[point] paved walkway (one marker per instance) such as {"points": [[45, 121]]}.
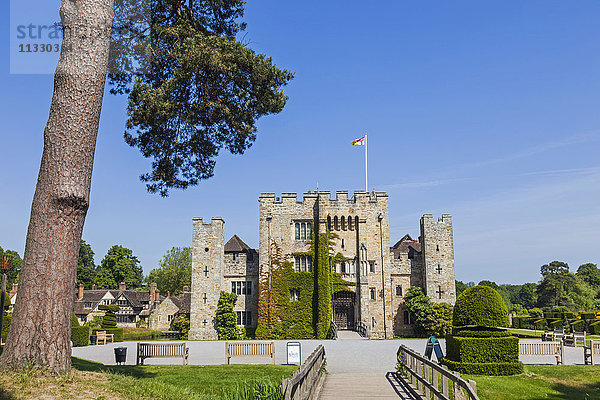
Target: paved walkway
{"points": [[349, 335]]}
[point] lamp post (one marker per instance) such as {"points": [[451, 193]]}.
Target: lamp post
{"points": [[380, 219], [6, 261]]}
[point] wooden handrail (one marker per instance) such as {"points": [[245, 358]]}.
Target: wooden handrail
{"points": [[304, 382], [362, 329], [421, 376]]}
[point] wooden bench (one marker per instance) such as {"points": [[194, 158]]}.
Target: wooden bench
{"points": [[556, 349], [249, 349], [161, 350], [102, 335], [576, 339], [557, 334]]}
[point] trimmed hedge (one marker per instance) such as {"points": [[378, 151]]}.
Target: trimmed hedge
{"points": [[482, 333], [80, 335], [482, 350], [480, 306], [118, 332], [500, 368], [5, 326]]}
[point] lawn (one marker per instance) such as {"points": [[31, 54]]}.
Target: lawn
{"points": [[90, 380], [550, 382]]}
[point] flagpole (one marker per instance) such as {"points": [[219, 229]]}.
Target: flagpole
{"points": [[366, 171]]}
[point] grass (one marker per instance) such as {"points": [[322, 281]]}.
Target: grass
{"points": [[91, 380], [549, 382], [136, 333]]}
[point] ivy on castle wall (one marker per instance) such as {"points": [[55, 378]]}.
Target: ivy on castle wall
{"points": [[308, 317]]}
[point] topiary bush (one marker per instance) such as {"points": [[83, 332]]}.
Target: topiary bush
{"points": [[226, 318], [478, 345], [480, 306], [5, 326], [109, 321]]}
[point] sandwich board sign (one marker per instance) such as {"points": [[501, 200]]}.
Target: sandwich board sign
{"points": [[433, 345], [294, 353]]}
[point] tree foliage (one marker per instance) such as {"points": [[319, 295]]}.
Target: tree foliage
{"points": [[175, 271], [195, 90], [181, 324], [480, 306], [226, 319], [559, 287], [429, 318], [590, 274], [12, 275], [86, 269], [119, 265]]}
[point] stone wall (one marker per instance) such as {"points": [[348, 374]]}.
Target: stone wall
{"points": [[159, 318], [438, 258], [208, 266], [239, 268]]}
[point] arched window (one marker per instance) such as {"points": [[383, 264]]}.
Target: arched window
{"points": [[329, 222], [343, 223], [336, 223], [350, 225]]}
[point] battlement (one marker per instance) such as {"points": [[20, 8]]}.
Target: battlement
{"points": [[324, 197], [199, 220], [444, 219]]}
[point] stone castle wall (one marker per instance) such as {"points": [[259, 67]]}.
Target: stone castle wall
{"points": [[438, 258]]}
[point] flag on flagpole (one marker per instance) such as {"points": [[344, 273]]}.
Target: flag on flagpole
{"points": [[358, 142]]}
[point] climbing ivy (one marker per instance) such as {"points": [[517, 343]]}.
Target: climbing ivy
{"points": [[308, 317]]}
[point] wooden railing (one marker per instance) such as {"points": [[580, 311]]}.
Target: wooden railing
{"points": [[305, 381], [362, 329], [429, 380], [591, 353]]}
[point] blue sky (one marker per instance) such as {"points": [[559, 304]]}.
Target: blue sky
{"points": [[488, 111]]}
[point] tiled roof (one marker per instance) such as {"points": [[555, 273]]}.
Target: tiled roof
{"points": [[406, 245], [183, 302], [135, 297], [235, 244]]}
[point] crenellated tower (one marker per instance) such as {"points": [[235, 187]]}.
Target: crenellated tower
{"points": [[438, 258]]}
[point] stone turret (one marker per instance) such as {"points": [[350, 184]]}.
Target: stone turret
{"points": [[208, 265], [438, 258]]}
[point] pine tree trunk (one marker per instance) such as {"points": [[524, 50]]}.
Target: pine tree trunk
{"points": [[40, 329]]}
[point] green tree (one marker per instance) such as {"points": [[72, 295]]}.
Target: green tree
{"points": [[175, 271], [86, 269], [12, 275], [226, 319], [181, 324], [552, 289], [119, 265], [527, 296], [590, 274], [204, 89], [197, 90]]}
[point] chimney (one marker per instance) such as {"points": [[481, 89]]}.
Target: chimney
{"points": [[80, 292], [152, 293], [186, 288], [122, 286], [157, 295], [168, 293], [93, 286]]}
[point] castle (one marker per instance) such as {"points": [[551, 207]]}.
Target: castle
{"points": [[378, 275]]}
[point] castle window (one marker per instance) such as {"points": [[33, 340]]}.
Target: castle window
{"points": [[437, 247], [372, 293], [329, 222], [343, 267], [244, 318], [303, 231], [439, 269], [350, 226], [236, 256], [399, 290], [406, 318], [87, 305], [170, 318], [371, 266], [343, 223], [336, 223], [241, 287], [294, 295], [303, 263], [342, 243]]}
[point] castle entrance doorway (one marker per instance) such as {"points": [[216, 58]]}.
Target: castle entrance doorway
{"points": [[343, 309]]}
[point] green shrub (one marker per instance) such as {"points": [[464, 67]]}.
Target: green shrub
{"points": [[480, 306], [181, 324], [117, 332], [490, 369], [109, 320], [80, 335], [226, 319], [5, 326], [588, 315], [536, 313], [109, 307], [482, 332], [482, 349]]}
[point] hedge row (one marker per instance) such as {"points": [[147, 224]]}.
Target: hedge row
{"points": [[483, 350], [117, 332], [498, 368], [80, 335], [482, 333]]}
